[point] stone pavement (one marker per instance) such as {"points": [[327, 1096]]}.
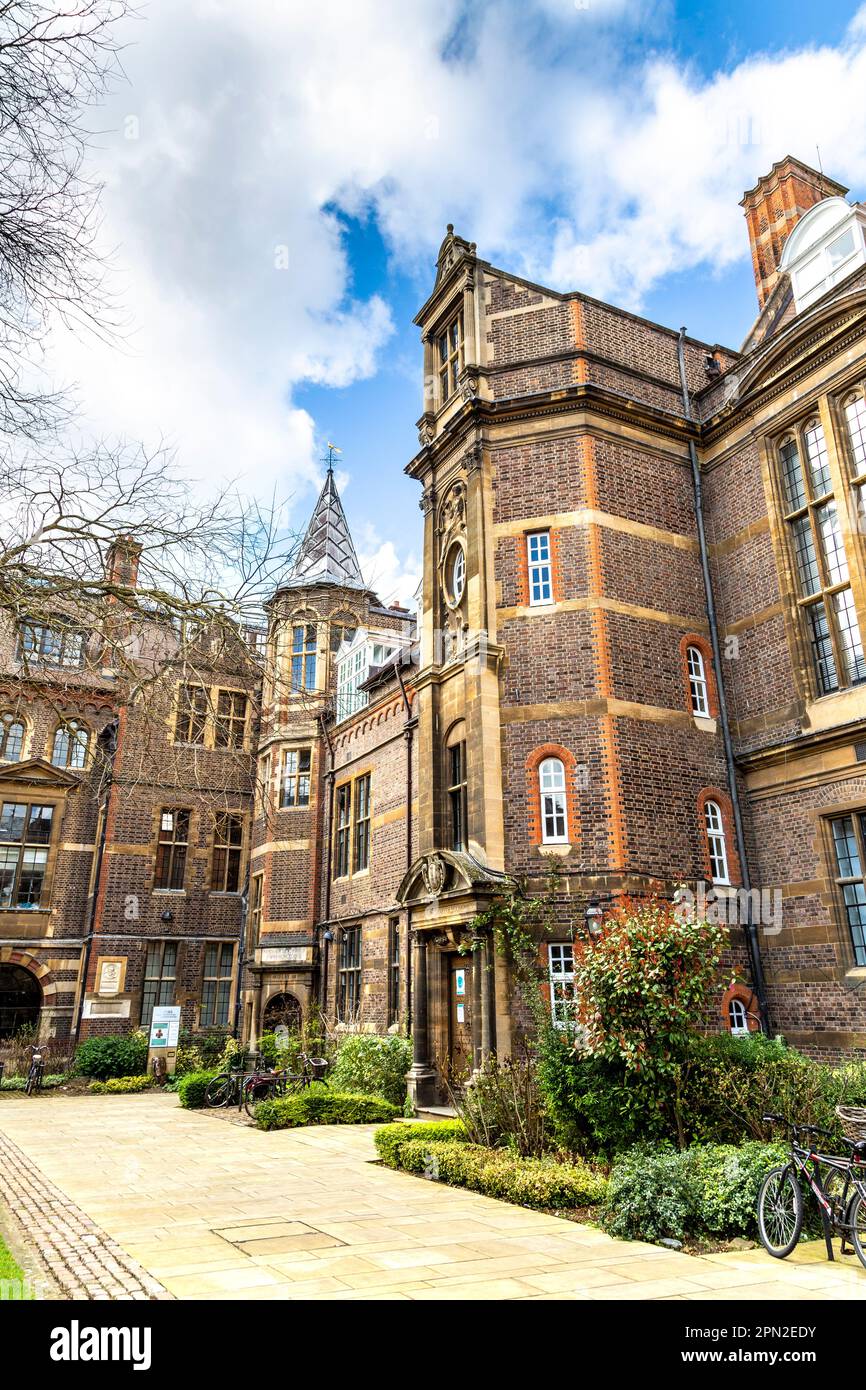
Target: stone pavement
{"points": [[211, 1209], [81, 1260]]}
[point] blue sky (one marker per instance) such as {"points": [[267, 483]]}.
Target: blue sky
{"points": [[278, 179]]}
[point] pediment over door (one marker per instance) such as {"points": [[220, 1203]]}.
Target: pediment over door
{"points": [[450, 873]]}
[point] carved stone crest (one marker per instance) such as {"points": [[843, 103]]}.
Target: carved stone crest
{"points": [[434, 871]]}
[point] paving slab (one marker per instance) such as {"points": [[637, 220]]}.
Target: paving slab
{"points": [[134, 1193]]}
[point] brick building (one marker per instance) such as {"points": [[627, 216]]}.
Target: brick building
{"points": [[124, 829], [638, 660]]}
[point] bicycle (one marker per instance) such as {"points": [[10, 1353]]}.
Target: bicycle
{"points": [[36, 1073], [227, 1087], [269, 1085], [837, 1183]]}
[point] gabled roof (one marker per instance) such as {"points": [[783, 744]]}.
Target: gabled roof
{"points": [[327, 554]]}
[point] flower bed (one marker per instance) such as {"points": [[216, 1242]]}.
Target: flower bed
{"points": [[442, 1153], [322, 1106], [121, 1086], [657, 1192]]}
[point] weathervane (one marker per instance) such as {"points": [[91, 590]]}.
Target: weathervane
{"points": [[332, 450]]}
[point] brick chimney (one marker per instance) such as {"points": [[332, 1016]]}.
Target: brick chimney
{"points": [[774, 207], [122, 563]]}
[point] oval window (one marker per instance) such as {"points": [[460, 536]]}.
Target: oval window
{"points": [[456, 574]]}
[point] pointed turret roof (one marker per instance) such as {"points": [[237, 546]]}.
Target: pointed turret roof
{"points": [[327, 554]]}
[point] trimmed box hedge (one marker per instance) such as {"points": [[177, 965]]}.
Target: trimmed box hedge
{"points": [[121, 1085], [545, 1183], [191, 1089], [390, 1141], [323, 1107]]}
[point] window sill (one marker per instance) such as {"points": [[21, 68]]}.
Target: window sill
{"points": [[705, 723], [362, 873], [555, 847], [169, 892], [223, 893]]}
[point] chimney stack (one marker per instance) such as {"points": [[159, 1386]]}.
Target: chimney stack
{"points": [[122, 563], [774, 207]]}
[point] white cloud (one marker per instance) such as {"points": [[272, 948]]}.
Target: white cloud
{"points": [[392, 574], [563, 152]]}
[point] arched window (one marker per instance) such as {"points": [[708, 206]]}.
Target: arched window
{"points": [[716, 842], [551, 786], [738, 1018], [11, 738], [457, 788], [855, 419], [70, 745], [698, 688]]}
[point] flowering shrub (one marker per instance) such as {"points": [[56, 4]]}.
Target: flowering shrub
{"points": [[642, 990]]}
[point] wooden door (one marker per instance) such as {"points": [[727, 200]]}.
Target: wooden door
{"points": [[459, 1016]]}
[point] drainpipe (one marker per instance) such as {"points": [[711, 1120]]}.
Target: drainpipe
{"points": [[329, 827], [98, 885], [751, 934], [408, 733]]}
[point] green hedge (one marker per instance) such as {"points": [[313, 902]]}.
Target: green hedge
{"points": [[121, 1085], [389, 1141], [710, 1189], [373, 1064], [192, 1087], [322, 1106], [726, 1085], [117, 1055], [531, 1182]]}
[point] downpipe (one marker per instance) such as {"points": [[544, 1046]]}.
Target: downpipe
{"points": [[750, 930]]}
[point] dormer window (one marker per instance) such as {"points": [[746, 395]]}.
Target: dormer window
{"points": [[355, 662], [450, 352], [824, 248]]}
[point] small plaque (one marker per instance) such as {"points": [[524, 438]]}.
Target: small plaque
{"points": [[283, 955]]}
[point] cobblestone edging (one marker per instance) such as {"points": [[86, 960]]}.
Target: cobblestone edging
{"points": [[82, 1259]]}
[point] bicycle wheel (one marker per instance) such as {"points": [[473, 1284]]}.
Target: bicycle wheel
{"points": [[219, 1091], [264, 1090], [856, 1221], [294, 1084], [780, 1212], [31, 1081]]}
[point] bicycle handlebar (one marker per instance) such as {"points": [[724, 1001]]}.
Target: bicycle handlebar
{"points": [[796, 1128]]}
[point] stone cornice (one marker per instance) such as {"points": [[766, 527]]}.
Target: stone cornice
{"points": [[479, 414]]}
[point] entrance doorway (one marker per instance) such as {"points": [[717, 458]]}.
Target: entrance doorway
{"points": [[282, 1008], [20, 1000], [459, 977]]}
